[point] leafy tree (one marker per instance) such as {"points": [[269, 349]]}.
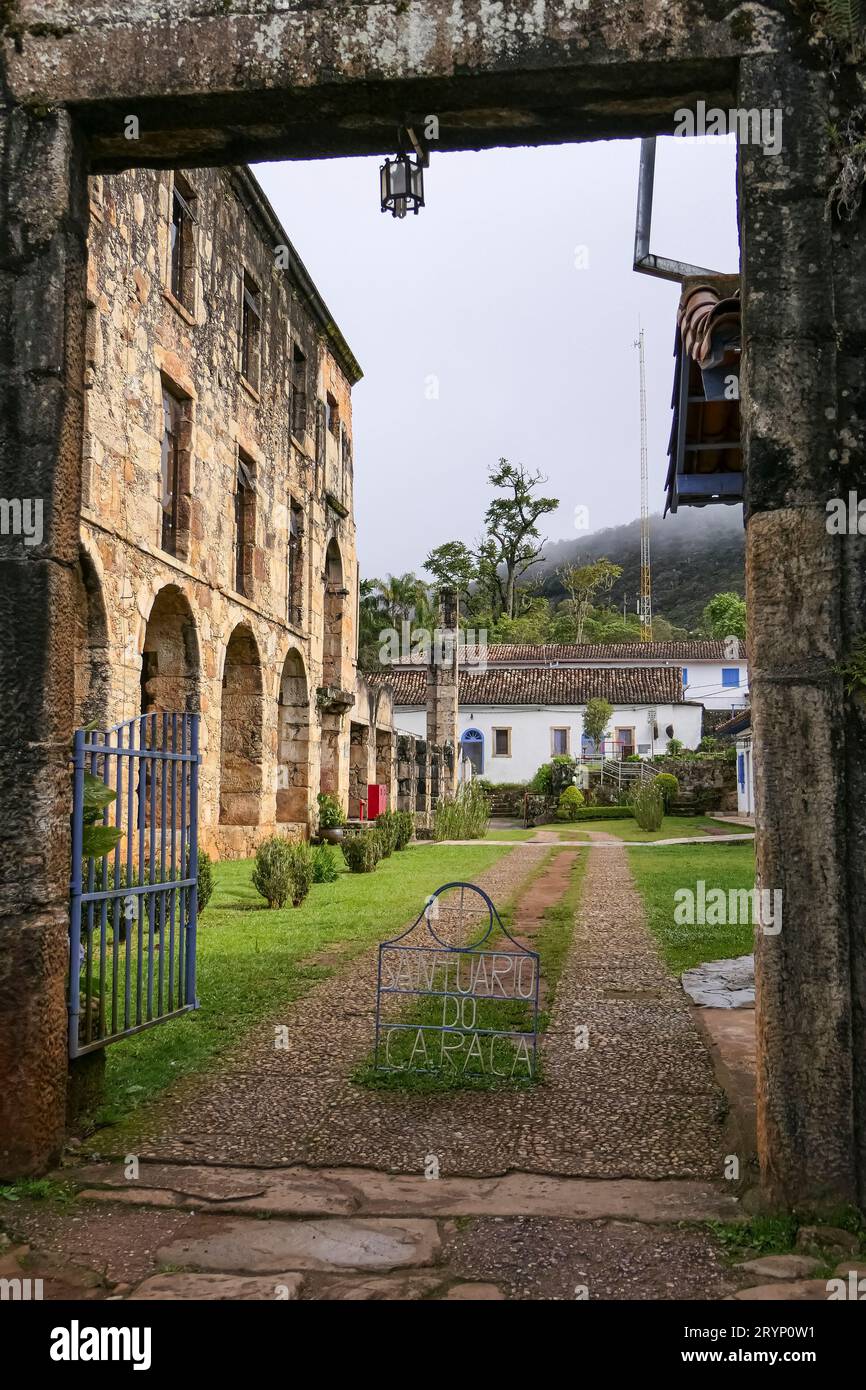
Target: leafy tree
{"points": [[583, 583], [596, 719], [453, 566], [725, 616], [512, 542]]}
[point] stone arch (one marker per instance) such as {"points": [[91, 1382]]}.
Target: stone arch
{"points": [[335, 595], [241, 731], [92, 657], [293, 742], [170, 662]]}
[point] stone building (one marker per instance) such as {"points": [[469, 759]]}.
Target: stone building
{"points": [[217, 563]]}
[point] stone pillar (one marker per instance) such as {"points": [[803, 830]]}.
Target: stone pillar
{"points": [[442, 682], [44, 211], [422, 784], [359, 766], [406, 773], [804, 277]]}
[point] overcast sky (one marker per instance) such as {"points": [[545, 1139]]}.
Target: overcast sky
{"points": [[533, 356]]}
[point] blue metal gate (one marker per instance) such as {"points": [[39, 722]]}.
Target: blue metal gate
{"points": [[133, 910]]}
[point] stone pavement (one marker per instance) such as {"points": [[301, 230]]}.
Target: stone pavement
{"points": [[639, 1100], [582, 1182]]}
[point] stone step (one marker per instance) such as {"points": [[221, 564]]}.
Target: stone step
{"points": [[357, 1192], [236, 1246]]}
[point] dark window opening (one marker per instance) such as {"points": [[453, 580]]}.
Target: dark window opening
{"points": [[295, 586], [333, 415], [183, 243], [502, 743], [320, 434], [299, 392], [245, 524], [560, 742], [174, 474], [251, 332]]}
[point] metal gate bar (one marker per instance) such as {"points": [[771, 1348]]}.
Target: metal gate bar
{"points": [[139, 902]]}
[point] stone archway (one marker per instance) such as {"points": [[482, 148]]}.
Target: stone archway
{"points": [[170, 663], [92, 660], [293, 743], [241, 731]]}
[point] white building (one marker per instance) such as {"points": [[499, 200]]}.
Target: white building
{"points": [[714, 671], [513, 718], [740, 728]]}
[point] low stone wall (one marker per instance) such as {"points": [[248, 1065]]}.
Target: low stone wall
{"points": [[708, 781]]}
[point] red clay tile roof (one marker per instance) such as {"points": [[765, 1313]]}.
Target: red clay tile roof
{"points": [[643, 685], [574, 654]]}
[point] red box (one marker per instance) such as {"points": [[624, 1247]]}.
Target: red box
{"points": [[377, 800]]}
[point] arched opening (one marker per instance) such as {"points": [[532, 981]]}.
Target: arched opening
{"points": [[335, 594], [241, 732], [170, 669], [293, 746], [472, 750], [92, 664]]}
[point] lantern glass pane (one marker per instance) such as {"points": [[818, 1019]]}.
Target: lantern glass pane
{"points": [[398, 177], [418, 182]]}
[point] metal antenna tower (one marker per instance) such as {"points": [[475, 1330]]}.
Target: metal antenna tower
{"points": [[645, 602]]}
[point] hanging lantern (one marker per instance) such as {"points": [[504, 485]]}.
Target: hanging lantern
{"points": [[401, 181]]}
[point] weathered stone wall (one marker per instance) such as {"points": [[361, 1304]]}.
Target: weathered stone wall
{"points": [[140, 340]]}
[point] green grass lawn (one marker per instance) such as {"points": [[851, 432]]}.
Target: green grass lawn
{"points": [[660, 872], [672, 828], [251, 960], [465, 1071]]}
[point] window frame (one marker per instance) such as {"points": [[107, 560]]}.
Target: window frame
{"points": [[182, 266], [244, 524], [560, 729], [494, 732], [252, 305], [174, 532], [731, 671]]}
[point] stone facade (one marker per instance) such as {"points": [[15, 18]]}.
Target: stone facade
{"points": [[217, 568]]}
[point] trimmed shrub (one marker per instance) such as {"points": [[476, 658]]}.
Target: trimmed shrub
{"points": [[301, 869], [324, 864], [205, 880], [570, 803], [386, 826], [273, 875], [362, 850], [405, 828], [648, 807], [668, 786], [603, 813], [675, 745]]}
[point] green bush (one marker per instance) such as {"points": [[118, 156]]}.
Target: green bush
{"points": [[709, 744], [301, 867], [324, 864], [668, 786], [205, 880], [648, 807], [362, 850], [570, 803], [330, 812], [551, 777], [675, 745], [623, 812], [405, 828], [386, 825], [273, 875]]}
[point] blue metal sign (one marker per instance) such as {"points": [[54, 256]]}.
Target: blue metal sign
{"points": [[452, 1009]]}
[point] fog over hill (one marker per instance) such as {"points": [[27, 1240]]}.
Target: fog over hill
{"points": [[696, 553]]}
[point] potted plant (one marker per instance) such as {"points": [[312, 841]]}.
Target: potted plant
{"points": [[331, 819]]}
